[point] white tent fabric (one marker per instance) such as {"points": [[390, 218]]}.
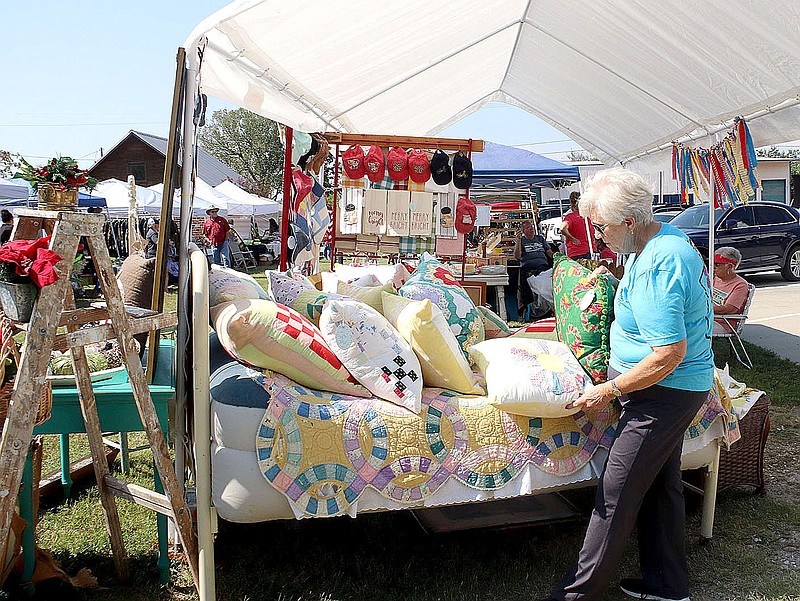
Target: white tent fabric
{"points": [[117, 195], [14, 189], [204, 197], [244, 203], [622, 79]]}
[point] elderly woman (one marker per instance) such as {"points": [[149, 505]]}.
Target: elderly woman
{"points": [[661, 370], [730, 290]]}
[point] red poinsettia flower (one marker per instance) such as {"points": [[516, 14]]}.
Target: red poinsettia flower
{"points": [[32, 258]]}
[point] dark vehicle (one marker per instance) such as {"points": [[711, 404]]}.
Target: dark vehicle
{"points": [[766, 233], [664, 216]]}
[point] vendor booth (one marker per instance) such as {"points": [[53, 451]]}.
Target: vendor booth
{"points": [[514, 52]]}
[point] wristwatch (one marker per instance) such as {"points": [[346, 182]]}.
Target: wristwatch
{"points": [[614, 389]]}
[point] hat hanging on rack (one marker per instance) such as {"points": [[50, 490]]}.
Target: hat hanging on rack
{"points": [[462, 171], [353, 162], [419, 168], [397, 164], [466, 215], [440, 168], [375, 164]]}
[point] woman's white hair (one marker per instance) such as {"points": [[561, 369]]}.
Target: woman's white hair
{"points": [[729, 253], [617, 193]]}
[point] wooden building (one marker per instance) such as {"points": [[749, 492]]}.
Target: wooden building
{"points": [[143, 156]]}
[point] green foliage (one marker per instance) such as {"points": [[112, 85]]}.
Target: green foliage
{"points": [[63, 171], [783, 153], [249, 144]]}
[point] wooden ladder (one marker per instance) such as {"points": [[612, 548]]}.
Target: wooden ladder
{"points": [[56, 307]]}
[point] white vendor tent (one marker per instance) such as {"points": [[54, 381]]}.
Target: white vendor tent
{"points": [[117, 195], [623, 79], [14, 189], [245, 203], [204, 197]]}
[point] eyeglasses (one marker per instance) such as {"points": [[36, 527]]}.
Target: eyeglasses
{"points": [[601, 229]]}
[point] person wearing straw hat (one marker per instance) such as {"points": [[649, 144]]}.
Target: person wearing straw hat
{"points": [[215, 232]]}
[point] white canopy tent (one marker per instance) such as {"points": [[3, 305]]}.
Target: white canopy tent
{"points": [[117, 195], [622, 79], [244, 203], [14, 189], [205, 197]]}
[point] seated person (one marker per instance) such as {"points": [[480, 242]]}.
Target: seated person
{"points": [[534, 256], [730, 290]]}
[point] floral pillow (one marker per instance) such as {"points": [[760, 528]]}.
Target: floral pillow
{"points": [[493, 325], [265, 334], [537, 378], [374, 352], [285, 287], [432, 280], [226, 285], [584, 313]]}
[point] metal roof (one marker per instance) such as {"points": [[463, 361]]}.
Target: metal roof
{"points": [[209, 168]]}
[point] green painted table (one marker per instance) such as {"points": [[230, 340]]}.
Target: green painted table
{"points": [[118, 413]]}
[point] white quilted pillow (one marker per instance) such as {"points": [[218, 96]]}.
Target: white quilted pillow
{"points": [[373, 352], [525, 376]]}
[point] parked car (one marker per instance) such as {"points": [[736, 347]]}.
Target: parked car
{"points": [[766, 233], [665, 216]]}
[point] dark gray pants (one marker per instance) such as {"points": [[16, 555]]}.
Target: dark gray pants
{"points": [[640, 486]]}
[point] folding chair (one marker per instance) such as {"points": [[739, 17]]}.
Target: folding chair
{"points": [[735, 323], [242, 257]]}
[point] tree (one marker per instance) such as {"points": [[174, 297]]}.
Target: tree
{"points": [[580, 156], [250, 145], [9, 163]]}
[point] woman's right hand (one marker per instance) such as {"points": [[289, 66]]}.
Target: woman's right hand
{"points": [[603, 270]]}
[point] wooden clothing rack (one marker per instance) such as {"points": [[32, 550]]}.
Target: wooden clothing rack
{"points": [[56, 307]]}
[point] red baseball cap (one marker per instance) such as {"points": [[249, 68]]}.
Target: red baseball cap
{"points": [[466, 214], [375, 164], [397, 164], [353, 162], [419, 167]]}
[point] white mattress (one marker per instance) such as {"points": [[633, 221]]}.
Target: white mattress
{"points": [[242, 494]]}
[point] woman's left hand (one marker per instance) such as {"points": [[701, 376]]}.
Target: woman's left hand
{"points": [[593, 398]]}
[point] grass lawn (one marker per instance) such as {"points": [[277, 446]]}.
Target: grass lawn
{"points": [[755, 554]]}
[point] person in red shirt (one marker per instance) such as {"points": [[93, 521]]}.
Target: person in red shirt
{"points": [[215, 231], [730, 289], [576, 231]]}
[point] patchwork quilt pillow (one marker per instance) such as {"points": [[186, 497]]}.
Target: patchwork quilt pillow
{"points": [[265, 334], [284, 287], [370, 295], [226, 285], [374, 352], [493, 325], [537, 378], [432, 280], [423, 326], [584, 313]]}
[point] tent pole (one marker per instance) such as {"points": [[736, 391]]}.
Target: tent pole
{"points": [[335, 208], [165, 231], [287, 193]]}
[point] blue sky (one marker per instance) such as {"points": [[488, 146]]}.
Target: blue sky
{"points": [[79, 75]]}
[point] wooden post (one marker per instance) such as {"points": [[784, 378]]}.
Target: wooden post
{"points": [[287, 198], [170, 164]]}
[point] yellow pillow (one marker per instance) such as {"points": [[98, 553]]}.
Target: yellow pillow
{"points": [[424, 327], [369, 295]]}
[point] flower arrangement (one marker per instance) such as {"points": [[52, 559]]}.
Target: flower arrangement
{"points": [[63, 172]]}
